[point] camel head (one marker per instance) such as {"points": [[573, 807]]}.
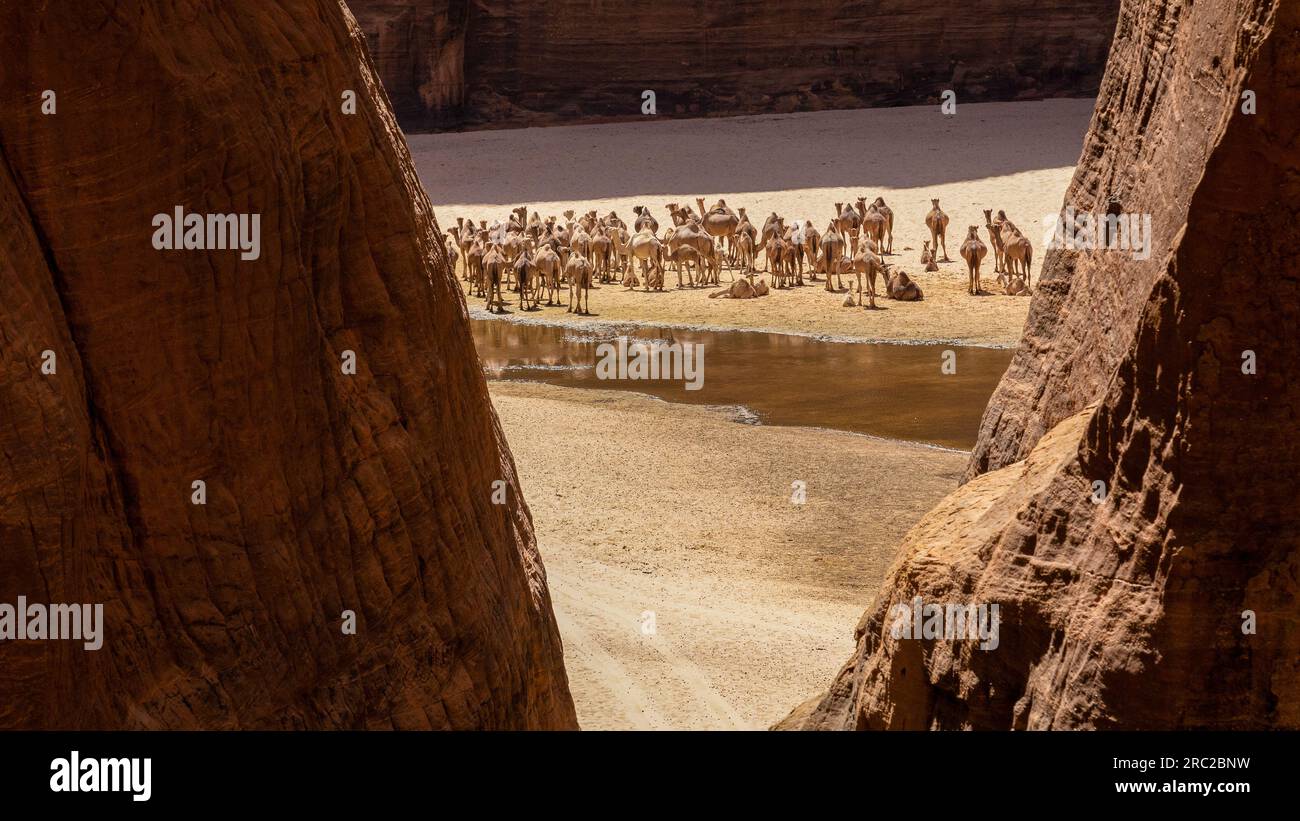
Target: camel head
{"points": [[862, 206], [880, 202], [988, 217], [934, 203], [460, 223], [973, 232], [1002, 215], [568, 215], [839, 209]]}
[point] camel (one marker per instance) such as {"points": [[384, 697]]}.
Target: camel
{"points": [[888, 214], [901, 287], [873, 223], [747, 227], [647, 248], [973, 251], [719, 221], [927, 258], [686, 255], [578, 272], [742, 289], [528, 283], [453, 256], [866, 265], [619, 239], [547, 266], [811, 242], [474, 263], [1018, 252], [679, 215], [601, 250], [644, 220], [937, 222], [994, 227], [494, 273], [776, 249], [832, 248], [847, 222], [745, 251]]}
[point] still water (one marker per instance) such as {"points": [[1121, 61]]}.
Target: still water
{"points": [[895, 391]]}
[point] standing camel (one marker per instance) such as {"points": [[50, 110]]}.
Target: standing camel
{"points": [[578, 272], [973, 251], [832, 248], [888, 214], [937, 222]]}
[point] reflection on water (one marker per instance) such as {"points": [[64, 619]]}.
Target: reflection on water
{"points": [[896, 391]]}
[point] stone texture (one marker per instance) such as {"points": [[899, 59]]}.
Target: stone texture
{"points": [[1129, 613], [325, 491], [506, 63]]}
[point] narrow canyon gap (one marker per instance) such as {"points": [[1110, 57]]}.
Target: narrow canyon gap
{"points": [[326, 491], [1172, 601]]}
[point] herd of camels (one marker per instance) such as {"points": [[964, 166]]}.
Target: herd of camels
{"points": [[532, 256]]}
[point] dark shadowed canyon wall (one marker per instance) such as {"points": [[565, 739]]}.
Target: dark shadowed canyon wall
{"points": [[1171, 599], [326, 491], [450, 63]]}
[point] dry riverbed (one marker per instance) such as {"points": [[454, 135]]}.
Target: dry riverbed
{"points": [[643, 507]]}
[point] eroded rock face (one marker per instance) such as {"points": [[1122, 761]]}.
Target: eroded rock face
{"points": [[560, 61], [325, 491], [1173, 602]]}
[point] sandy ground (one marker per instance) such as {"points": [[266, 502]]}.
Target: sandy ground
{"points": [[1013, 156], [641, 506]]}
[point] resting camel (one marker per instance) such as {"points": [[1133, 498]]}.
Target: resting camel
{"points": [[902, 288], [973, 251], [927, 258], [937, 222], [494, 273], [742, 289], [832, 248], [888, 214], [578, 272]]}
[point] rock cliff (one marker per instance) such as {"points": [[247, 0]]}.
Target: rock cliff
{"points": [[499, 62], [128, 374], [1166, 596]]}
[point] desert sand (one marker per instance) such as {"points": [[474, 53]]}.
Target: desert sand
{"points": [[682, 512], [1018, 157]]}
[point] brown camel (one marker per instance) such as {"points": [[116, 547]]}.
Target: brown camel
{"points": [[578, 272], [494, 273], [1019, 253], [927, 258], [647, 248], [902, 288], [644, 220], [937, 222], [994, 227], [867, 265], [973, 251], [874, 224], [742, 289], [832, 248], [547, 265], [888, 214], [719, 221]]}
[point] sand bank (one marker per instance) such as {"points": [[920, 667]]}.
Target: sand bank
{"points": [[641, 506]]}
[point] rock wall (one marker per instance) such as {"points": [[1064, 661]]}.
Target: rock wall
{"points": [[506, 63], [1171, 599], [326, 491]]}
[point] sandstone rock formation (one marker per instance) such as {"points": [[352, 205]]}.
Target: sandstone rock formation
{"points": [[495, 62], [325, 491], [1136, 611]]}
